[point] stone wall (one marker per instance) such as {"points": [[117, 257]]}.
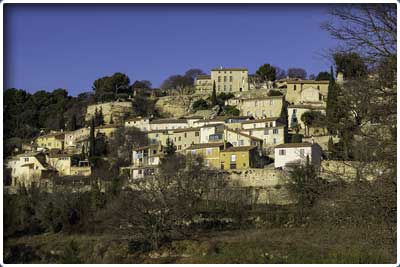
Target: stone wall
{"points": [[118, 110], [267, 185]]}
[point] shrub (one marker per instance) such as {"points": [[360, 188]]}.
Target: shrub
{"points": [[274, 93], [223, 96], [200, 104], [231, 111]]}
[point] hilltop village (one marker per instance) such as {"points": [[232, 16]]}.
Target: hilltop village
{"points": [[264, 126]]}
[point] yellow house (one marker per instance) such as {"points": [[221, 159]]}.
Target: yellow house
{"points": [[296, 87], [107, 130], [210, 152], [54, 140], [238, 157], [261, 107], [65, 166], [181, 138]]}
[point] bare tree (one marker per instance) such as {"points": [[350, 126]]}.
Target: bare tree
{"points": [[370, 29]]}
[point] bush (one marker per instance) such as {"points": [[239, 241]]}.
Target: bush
{"points": [[139, 246], [223, 96], [231, 111], [274, 93], [297, 138], [200, 104]]}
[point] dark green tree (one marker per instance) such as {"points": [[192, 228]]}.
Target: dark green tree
{"points": [[111, 119], [72, 124], [214, 100], [61, 122], [323, 76], [92, 139], [332, 105], [266, 72], [352, 65], [170, 147]]}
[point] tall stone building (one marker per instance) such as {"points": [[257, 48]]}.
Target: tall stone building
{"points": [[227, 80]]}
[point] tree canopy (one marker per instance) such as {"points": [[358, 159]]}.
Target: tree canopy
{"points": [[297, 73], [266, 72]]}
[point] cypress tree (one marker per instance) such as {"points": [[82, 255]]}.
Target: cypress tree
{"points": [[72, 126], [332, 104], [111, 119], [214, 96], [92, 141], [101, 117]]}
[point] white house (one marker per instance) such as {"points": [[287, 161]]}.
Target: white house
{"points": [[142, 124], [297, 153], [168, 124], [208, 130]]}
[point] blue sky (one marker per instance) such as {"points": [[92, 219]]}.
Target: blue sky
{"points": [[69, 46]]}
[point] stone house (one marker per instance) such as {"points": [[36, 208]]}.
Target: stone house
{"points": [[298, 91]]}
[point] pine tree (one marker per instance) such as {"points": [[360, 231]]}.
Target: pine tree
{"points": [[331, 147], [92, 141], [214, 96]]}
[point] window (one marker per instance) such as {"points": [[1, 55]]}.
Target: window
{"points": [[294, 88], [274, 140], [282, 152], [179, 138], [250, 132], [196, 133], [302, 152], [179, 147], [208, 151], [241, 143], [219, 87], [185, 135], [275, 131], [224, 78], [294, 111], [263, 113], [254, 125], [265, 131], [230, 78], [233, 158], [318, 87], [219, 78], [26, 159]]}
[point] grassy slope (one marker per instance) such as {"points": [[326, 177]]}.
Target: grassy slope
{"points": [[279, 245]]}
